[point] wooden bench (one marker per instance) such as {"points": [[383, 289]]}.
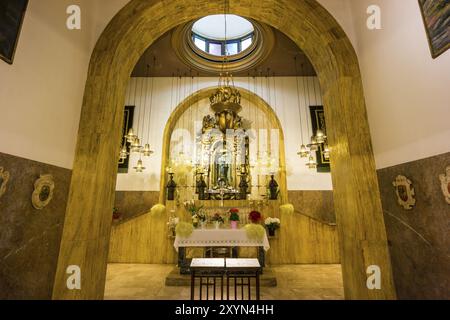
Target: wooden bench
{"points": [[238, 273]]}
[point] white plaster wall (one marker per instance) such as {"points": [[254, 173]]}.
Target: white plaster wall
{"points": [[42, 92], [279, 92], [407, 92]]}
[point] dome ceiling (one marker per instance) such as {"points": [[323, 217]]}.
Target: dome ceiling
{"points": [[280, 61]]}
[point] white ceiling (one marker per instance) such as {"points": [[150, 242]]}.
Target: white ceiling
{"points": [[213, 27]]}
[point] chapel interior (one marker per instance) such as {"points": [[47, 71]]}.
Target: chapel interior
{"points": [[272, 150]]}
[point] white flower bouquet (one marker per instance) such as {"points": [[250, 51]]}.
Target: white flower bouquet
{"points": [[272, 224]]}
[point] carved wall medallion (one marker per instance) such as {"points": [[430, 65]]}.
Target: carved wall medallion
{"points": [[43, 191], [445, 184], [4, 178], [405, 192]]}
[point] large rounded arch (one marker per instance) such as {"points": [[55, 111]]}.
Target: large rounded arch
{"points": [[87, 225], [259, 102]]}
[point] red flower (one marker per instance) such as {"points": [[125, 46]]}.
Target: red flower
{"points": [[234, 210], [255, 216]]}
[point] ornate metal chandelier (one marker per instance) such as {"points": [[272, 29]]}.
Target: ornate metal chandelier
{"points": [[132, 142], [226, 103], [319, 140]]}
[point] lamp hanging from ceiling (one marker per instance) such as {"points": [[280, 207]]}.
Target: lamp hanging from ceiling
{"points": [[139, 167], [303, 153], [319, 140], [147, 151], [226, 101], [131, 137]]}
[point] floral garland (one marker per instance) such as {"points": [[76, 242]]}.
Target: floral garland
{"points": [[158, 210], [184, 229], [255, 231], [287, 208]]}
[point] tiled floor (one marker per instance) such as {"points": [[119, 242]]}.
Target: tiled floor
{"points": [[295, 282]]}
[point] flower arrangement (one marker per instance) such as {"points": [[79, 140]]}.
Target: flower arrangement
{"points": [[158, 210], [184, 229], [255, 216], [196, 212], [191, 207], [197, 218], [234, 214], [173, 221], [255, 231], [172, 224], [272, 224], [217, 218], [287, 208], [201, 216]]}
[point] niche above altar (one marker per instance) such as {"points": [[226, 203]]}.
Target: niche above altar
{"points": [[220, 152]]}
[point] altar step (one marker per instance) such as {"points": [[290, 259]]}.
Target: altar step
{"points": [[175, 279]]}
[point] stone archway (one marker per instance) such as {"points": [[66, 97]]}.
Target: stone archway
{"points": [[205, 93], [360, 220]]}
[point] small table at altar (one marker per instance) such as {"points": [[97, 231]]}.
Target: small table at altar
{"points": [[210, 269], [239, 270], [218, 238]]}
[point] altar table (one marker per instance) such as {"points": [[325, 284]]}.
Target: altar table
{"points": [[218, 238]]}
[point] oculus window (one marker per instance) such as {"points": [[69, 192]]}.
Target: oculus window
{"points": [[223, 35]]}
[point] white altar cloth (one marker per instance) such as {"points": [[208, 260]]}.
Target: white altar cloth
{"points": [[220, 238]]}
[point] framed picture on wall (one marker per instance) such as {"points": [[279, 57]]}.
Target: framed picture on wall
{"points": [[127, 124], [12, 13], [436, 17], [318, 122]]}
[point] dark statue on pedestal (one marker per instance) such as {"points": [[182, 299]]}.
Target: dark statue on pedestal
{"points": [[243, 187], [201, 189], [273, 189], [171, 187]]}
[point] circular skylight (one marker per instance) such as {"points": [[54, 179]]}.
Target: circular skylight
{"points": [[213, 27], [209, 34]]}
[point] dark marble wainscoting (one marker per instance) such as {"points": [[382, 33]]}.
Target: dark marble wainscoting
{"points": [[315, 204], [132, 204], [30, 238], [419, 239]]}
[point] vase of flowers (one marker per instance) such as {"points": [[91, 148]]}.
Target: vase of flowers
{"points": [[234, 218], [195, 221], [272, 224], [191, 207], [198, 217], [172, 224], [217, 219], [255, 217]]}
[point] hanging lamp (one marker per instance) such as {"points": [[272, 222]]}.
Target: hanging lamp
{"points": [[303, 153], [147, 151], [313, 146], [139, 167], [124, 152], [311, 164]]}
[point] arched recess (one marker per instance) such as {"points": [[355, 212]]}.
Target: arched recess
{"points": [[260, 103], [86, 231]]}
